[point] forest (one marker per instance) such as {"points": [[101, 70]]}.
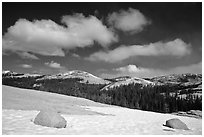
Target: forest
{"points": [[149, 98]]}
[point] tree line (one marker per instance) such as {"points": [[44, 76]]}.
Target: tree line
{"points": [[135, 96]]}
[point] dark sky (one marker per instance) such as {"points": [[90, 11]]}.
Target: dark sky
{"points": [[169, 21], [167, 15]]}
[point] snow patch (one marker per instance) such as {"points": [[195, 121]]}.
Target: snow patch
{"points": [[85, 76], [128, 81]]}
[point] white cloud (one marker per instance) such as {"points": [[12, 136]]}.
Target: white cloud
{"points": [[45, 37], [53, 64], [88, 29], [176, 47], [134, 71], [26, 55], [131, 20], [22, 54], [129, 68], [26, 66], [75, 55]]}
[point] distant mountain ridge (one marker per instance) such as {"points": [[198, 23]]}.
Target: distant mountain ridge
{"points": [[177, 78], [126, 81], [8, 73], [170, 93], [187, 79], [185, 82], [84, 76]]}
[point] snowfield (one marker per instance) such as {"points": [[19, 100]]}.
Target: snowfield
{"points": [[20, 107], [127, 81], [85, 76]]}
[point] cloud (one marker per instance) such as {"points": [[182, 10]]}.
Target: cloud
{"points": [[131, 20], [89, 29], [75, 55], [176, 47], [22, 54], [26, 55], [53, 64], [54, 68], [129, 69], [26, 66], [135, 71], [45, 37]]}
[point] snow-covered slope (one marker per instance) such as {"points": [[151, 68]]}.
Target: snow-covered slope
{"points": [[29, 75], [127, 81], [8, 73], [123, 78], [187, 83], [85, 76], [27, 99], [84, 117], [187, 78]]}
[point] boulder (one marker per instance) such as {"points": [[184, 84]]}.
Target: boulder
{"points": [[195, 112], [176, 124], [50, 119]]}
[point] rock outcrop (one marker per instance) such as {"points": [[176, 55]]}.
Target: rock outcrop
{"points": [[176, 124], [50, 119]]}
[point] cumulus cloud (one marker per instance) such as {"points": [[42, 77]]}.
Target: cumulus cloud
{"points": [[22, 54], [89, 29], [135, 71], [53, 64], [26, 66], [176, 47], [129, 69], [131, 20], [48, 38]]}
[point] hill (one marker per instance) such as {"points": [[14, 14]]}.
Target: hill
{"points": [[166, 94], [127, 81], [84, 77], [26, 99], [20, 106]]}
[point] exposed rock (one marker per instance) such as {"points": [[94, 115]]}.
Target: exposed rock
{"points": [[50, 119], [176, 124], [195, 112], [191, 113]]}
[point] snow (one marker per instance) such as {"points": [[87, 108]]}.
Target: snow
{"points": [[121, 121], [179, 78], [84, 116], [85, 76], [127, 82], [17, 75], [37, 85], [9, 72], [6, 71], [28, 75], [27, 99], [194, 95]]}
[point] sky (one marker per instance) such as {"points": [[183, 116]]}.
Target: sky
{"points": [[105, 39]]}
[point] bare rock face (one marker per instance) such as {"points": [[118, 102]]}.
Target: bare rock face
{"points": [[176, 124], [50, 119]]}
